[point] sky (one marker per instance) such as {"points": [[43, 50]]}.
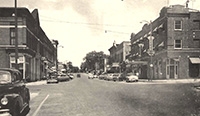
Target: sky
{"points": [[82, 26]]}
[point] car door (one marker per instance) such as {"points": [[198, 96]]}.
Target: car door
{"points": [[20, 87]]}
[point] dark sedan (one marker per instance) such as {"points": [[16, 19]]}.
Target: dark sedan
{"points": [[14, 96]]}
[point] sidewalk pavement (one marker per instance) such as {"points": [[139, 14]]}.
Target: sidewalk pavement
{"points": [[171, 81], [42, 82], [196, 82]]}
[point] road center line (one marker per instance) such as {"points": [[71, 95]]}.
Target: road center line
{"points": [[35, 113]]}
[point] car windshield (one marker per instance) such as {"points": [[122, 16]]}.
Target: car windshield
{"points": [[129, 74], [5, 77]]}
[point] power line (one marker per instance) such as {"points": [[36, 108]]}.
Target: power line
{"points": [[84, 23], [106, 31]]}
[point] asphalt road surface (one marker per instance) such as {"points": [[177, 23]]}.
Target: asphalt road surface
{"points": [[93, 97]]}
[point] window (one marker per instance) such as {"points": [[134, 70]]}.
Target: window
{"points": [[12, 36], [178, 25], [177, 44], [196, 25]]}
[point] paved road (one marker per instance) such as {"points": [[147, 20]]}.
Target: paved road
{"points": [[84, 97]]}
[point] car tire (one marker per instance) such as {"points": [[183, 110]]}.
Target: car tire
{"points": [[16, 110]]}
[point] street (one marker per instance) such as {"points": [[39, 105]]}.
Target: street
{"points": [[94, 97]]}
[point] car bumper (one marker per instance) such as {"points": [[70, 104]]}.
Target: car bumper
{"points": [[5, 112], [115, 79], [131, 80]]}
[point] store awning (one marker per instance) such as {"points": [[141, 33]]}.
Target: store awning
{"points": [[138, 62], [195, 60], [115, 65]]}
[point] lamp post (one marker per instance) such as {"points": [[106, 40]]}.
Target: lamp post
{"points": [[16, 37], [150, 51], [55, 42]]}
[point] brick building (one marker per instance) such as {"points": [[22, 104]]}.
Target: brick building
{"points": [[176, 45], [36, 51], [118, 53]]}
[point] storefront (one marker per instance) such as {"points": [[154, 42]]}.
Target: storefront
{"points": [[24, 64]]}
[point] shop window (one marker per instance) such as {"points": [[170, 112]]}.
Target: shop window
{"points": [[177, 44], [178, 25], [12, 36]]}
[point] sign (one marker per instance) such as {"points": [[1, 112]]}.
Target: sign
{"points": [[151, 52], [151, 38]]}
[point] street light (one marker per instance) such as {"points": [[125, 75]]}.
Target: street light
{"points": [[55, 42], [150, 51], [16, 37]]}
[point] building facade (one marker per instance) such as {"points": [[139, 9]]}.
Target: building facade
{"points": [[36, 51], [118, 53], [175, 47]]}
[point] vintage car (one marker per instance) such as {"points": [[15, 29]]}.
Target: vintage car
{"points": [[131, 77], [52, 77], [71, 76], [78, 75], [14, 96], [117, 77], [63, 77], [90, 76]]}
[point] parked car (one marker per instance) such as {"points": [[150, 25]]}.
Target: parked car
{"points": [[109, 76], [95, 76], [14, 95], [71, 76], [131, 78], [117, 77], [102, 76], [90, 76], [52, 78], [63, 77]]}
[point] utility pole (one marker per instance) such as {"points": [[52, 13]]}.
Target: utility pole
{"points": [[16, 37], [151, 51], [56, 62]]}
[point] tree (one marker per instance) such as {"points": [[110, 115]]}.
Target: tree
{"points": [[93, 61]]}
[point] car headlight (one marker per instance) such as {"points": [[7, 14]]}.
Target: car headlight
{"points": [[4, 101]]}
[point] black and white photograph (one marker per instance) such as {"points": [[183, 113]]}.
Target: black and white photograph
{"points": [[99, 57]]}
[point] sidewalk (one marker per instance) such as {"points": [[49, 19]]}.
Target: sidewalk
{"points": [[168, 81], [42, 82]]}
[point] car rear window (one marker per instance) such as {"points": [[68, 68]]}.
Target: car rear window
{"points": [[5, 77]]}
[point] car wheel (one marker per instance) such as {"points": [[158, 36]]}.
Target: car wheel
{"points": [[16, 110]]}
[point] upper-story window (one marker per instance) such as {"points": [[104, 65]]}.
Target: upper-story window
{"points": [[12, 36], [177, 25], [177, 44], [196, 25]]}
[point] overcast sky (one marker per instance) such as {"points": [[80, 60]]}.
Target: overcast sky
{"points": [[80, 25]]}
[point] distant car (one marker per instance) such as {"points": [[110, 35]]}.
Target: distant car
{"points": [[131, 78], [117, 77], [78, 75], [63, 77], [90, 76], [102, 76], [109, 76], [71, 76], [14, 95], [52, 78], [95, 76]]}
